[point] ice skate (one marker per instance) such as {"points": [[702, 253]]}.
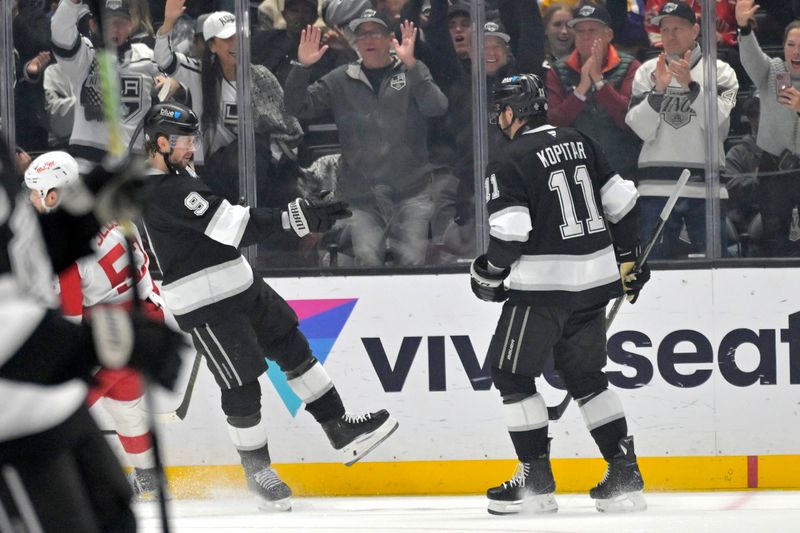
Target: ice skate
{"points": [[530, 490], [356, 436], [620, 491], [272, 493], [144, 482]]}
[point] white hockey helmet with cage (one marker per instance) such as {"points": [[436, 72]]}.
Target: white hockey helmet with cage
{"points": [[51, 170]]}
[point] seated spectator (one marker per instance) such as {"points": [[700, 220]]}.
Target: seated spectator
{"points": [[777, 81], [740, 176], [559, 37], [725, 20], [380, 105], [591, 88], [668, 113]]}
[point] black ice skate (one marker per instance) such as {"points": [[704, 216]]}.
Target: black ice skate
{"points": [[356, 436], [620, 490], [144, 482], [272, 493], [531, 489]]}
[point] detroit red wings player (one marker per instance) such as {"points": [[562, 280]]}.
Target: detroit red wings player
{"points": [[104, 279]]}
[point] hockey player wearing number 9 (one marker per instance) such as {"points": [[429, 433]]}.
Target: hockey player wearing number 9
{"points": [[563, 226], [235, 319]]}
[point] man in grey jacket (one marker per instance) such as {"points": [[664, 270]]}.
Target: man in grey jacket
{"points": [[380, 105]]}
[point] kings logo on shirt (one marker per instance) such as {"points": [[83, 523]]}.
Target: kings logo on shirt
{"points": [[130, 95], [676, 108]]}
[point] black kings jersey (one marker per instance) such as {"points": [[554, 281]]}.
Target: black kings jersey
{"points": [[194, 236], [551, 196]]}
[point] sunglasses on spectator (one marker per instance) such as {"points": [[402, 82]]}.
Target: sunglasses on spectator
{"points": [[363, 36]]}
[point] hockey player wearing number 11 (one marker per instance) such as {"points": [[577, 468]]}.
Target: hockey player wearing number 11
{"points": [[235, 319], [564, 233]]}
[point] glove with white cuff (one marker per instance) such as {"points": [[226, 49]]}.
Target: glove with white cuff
{"points": [[486, 285], [632, 282], [313, 216]]}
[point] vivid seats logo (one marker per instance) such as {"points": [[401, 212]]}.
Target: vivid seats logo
{"points": [[321, 321]]}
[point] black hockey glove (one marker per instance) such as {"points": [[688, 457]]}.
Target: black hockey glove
{"points": [[313, 216], [487, 286], [632, 282], [130, 339], [120, 192]]}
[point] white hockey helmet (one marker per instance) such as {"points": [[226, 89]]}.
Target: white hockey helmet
{"points": [[51, 171]]}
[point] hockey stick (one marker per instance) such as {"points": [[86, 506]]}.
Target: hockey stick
{"points": [[557, 411], [109, 83], [180, 412]]}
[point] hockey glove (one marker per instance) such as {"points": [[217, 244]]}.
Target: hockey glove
{"points": [[312, 216], [487, 286], [119, 193], [130, 339], [632, 282]]}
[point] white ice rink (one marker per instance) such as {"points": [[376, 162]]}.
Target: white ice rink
{"points": [[723, 512]]}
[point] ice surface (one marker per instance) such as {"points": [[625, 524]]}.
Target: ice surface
{"points": [[724, 512]]}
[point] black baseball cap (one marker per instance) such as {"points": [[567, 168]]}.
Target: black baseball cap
{"points": [[116, 8], [675, 9], [589, 12]]}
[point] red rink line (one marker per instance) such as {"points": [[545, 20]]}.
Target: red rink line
{"points": [[752, 471], [739, 502]]}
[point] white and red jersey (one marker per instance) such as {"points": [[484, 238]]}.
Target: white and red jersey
{"points": [[104, 278]]}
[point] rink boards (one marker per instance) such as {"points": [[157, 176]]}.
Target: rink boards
{"points": [[707, 365]]}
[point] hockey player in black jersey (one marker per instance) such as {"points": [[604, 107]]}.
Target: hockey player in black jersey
{"points": [[57, 471], [235, 319], [563, 233]]}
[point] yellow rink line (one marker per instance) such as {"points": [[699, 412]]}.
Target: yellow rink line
{"points": [[474, 477]]}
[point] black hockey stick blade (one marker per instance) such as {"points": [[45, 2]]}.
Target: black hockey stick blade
{"points": [[180, 412], [557, 411]]}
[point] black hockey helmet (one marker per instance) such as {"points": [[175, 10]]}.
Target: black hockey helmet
{"points": [[524, 93], [170, 118]]}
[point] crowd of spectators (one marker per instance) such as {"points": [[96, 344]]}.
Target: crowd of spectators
{"points": [[370, 101]]}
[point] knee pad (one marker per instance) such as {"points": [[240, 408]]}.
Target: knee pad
{"points": [[242, 405], [601, 409], [525, 415], [583, 384], [291, 350], [242, 401], [309, 381], [512, 387]]}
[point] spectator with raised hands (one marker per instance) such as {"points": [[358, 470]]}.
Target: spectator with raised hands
{"points": [[777, 81], [380, 104]]}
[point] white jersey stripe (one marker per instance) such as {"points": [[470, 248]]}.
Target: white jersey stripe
{"points": [[571, 273], [228, 223], [208, 286], [511, 224], [618, 196]]}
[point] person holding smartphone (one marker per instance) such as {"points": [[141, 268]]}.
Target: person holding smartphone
{"points": [[778, 81]]}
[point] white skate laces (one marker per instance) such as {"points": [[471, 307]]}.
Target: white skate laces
{"points": [[267, 478], [356, 419], [520, 475]]}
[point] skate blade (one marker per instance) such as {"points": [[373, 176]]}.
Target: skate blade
{"points": [[359, 448], [274, 506], [539, 504], [629, 502]]}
